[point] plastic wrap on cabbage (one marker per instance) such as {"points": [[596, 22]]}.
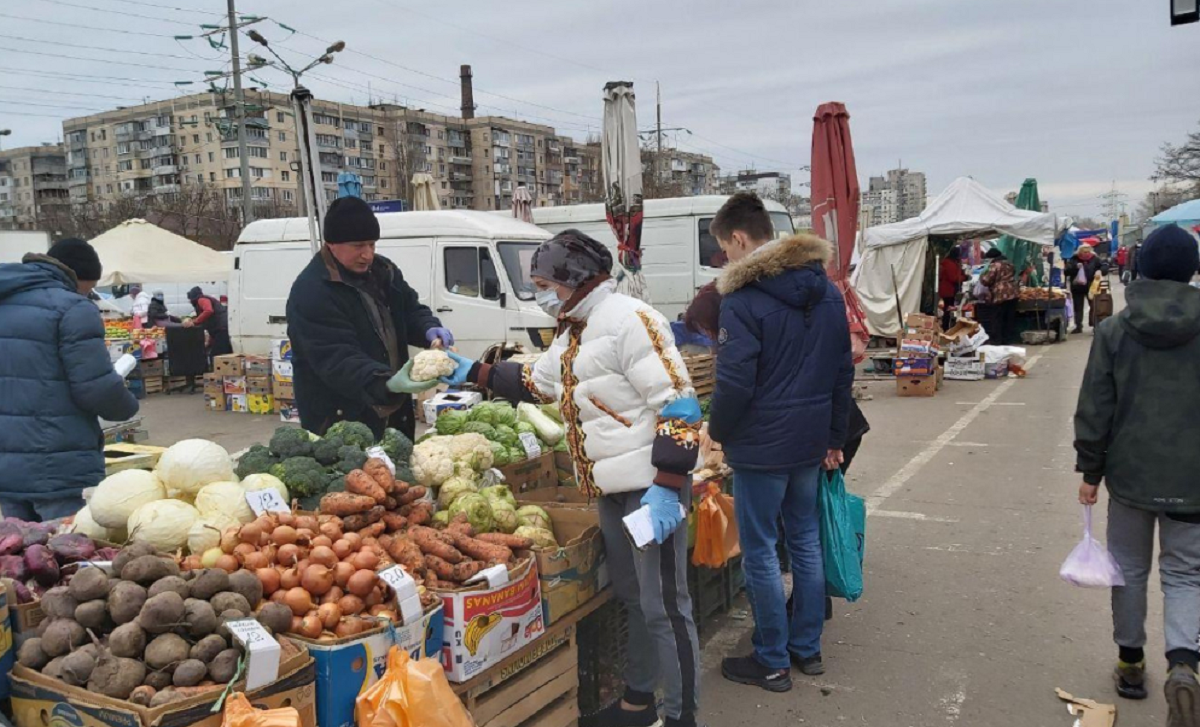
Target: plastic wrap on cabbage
{"points": [[499, 454], [487, 430], [477, 509], [450, 421], [506, 435], [503, 414]]}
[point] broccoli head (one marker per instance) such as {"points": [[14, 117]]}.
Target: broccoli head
{"points": [[355, 434], [257, 460], [350, 458], [404, 473], [326, 450], [302, 475], [289, 442], [397, 445]]}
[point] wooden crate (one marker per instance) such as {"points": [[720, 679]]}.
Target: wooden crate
{"points": [[539, 689], [127, 456], [153, 384], [702, 368]]}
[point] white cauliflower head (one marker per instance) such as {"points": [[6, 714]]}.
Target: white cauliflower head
{"points": [[429, 365], [473, 450], [432, 463]]}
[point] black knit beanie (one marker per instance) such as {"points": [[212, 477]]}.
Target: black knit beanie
{"points": [[350, 219], [1169, 253], [80, 257]]}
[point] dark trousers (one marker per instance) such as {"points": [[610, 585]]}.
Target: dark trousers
{"points": [[999, 320], [947, 318], [1079, 299]]}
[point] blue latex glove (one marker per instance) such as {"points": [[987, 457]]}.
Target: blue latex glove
{"points": [[664, 510], [440, 334], [462, 368], [687, 409]]}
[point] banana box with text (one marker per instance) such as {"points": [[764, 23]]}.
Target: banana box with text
{"points": [[486, 623]]}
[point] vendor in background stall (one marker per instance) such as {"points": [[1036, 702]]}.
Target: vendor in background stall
{"points": [[213, 317], [141, 302], [351, 318], [157, 315], [633, 425], [951, 276], [997, 309], [1081, 270]]}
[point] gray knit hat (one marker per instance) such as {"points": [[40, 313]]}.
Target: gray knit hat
{"points": [[571, 258]]}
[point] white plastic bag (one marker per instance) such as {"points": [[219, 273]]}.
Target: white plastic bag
{"points": [[1089, 565]]}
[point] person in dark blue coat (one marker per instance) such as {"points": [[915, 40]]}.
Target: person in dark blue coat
{"points": [[56, 378], [780, 410]]}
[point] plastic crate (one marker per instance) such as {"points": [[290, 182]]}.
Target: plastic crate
{"points": [[602, 636]]}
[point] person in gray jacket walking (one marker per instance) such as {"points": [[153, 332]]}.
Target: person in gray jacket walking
{"points": [[1135, 430]]}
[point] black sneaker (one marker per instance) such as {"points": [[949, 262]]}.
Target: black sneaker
{"points": [[1131, 679], [811, 666], [1183, 697], [616, 717], [747, 670]]}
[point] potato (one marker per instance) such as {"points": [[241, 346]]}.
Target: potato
{"points": [[88, 585], [166, 696], [230, 601], [189, 673], [127, 641], [170, 583], [116, 677], [77, 667], [224, 666], [128, 553], [206, 649], [125, 601], [247, 584], [32, 656], [209, 583], [53, 669], [199, 619], [166, 650], [142, 695], [62, 635], [59, 603], [93, 615], [276, 617], [161, 613], [158, 679], [146, 569], [229, 615]]}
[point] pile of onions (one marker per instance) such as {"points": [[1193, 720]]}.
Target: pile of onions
{"points": [[324, 576]]}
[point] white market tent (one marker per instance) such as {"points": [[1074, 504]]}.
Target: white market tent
{"points": [[966, 207], [137, 251]]}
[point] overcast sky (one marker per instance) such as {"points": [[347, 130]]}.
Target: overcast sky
{"points": [[1076, 93]]}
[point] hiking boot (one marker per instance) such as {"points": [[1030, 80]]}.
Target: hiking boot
{"points": [[1183, 697], [747, 670], [1131, 679], [617, 717], [811, 666]]}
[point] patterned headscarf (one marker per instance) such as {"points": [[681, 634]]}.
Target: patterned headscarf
{"points": [[571, 258]]}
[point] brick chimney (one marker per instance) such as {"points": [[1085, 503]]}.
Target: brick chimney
{"points": [[468, 94]]}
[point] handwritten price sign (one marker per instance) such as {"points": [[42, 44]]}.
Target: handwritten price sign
{"points": [[267, 500]]}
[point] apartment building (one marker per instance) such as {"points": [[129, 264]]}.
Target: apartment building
{"points": [[583, 179], [33, 184], [899, 195], [693, 174], [775, 185]]}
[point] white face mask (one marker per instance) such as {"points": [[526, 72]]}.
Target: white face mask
{"points": [[548, 301]]}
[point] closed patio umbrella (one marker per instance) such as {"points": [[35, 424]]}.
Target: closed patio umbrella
{"points": [[425, 198], [522, 204], [621, 161]]}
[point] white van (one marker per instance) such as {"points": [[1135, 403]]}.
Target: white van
{"points": [[678, 253], [471, 268]]}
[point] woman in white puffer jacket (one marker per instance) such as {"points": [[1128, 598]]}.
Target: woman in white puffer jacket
{"points": [[632, 424]]}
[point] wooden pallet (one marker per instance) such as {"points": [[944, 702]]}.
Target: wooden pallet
{"points": [[153, 384], [541, 690], [126, 456], [702, 368]]}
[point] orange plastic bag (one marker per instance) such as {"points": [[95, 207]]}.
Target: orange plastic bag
{"points": [[716, 529], [411, 694], [240, 713]]}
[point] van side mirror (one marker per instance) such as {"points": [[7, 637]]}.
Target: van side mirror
{"points": [[504, 300], [491, 289]]}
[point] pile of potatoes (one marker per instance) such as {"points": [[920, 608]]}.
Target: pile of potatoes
{"points": [[147, 633]]}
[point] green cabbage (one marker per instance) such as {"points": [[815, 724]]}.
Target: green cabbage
{"points": [[454, 488], [451, 421], [524, 427], [506, 435], [533, 516], [500, 493], [477, 427], [547, 429], [541, 537], [499, 454], [441, 517], [477, 509], [504, 515], [484, 413], [517, 454], [504, 414]]}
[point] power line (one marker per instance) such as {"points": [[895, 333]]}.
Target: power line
{"points": [[101, 48], [106, 60], [208, 13], [82, 76], [86, 27], [22, 113], [788, 165], [67, 93], [118, 12], [23, 102]]}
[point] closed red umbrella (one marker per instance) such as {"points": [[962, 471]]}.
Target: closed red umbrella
{"points": [[835, 198]]}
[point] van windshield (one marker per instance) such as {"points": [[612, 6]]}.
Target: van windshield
{"points": [[782, 222], [518, 260]]}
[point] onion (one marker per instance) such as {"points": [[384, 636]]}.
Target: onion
{"points": [[361, 583], [265, 522], [227, 563], [244, 549], [229, 539], [283, 535], [351, 605], [387, 614], [370, 542], [342, 549], [256, 560], [305, 535], [250, 533], [269, 578], [342, 572], [354, 539], [330, 614], [299, 600], [348, 626], [305, 522], [333, 595], [375, 597], [192, 562], [323, 556], [289, 578], [321, 540], [209, 559], [317, 579], [310, 627], [288, 554], [333, 531], [365, 560], [277, 596], [285, 518], [295, 625]]}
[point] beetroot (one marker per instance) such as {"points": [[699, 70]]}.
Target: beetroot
{"points": [[11, 544], [106, 554], [71, 547], [23, 593], [13, 566], [41, 564], [36, 533]]}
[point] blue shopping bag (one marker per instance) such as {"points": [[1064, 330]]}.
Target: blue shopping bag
{"points": [[843, 536]]}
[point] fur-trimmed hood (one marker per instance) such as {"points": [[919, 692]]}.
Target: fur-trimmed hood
{"points": [[791, 269]]}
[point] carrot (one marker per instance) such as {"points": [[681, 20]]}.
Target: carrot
{"points": [[372, 530], [394, 521], [481, 550], [418, 513], [360, 520], [511, 541], [408, 554], [361, 483], [411, 495], [440, 567], [390, 503], [378, 471], [430, 544], [346, 503], [466, 569], [460, 524]]}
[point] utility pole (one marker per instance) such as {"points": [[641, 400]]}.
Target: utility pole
{"points": [[239, 113], [658, 175]]}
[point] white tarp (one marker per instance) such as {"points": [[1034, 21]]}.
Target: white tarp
{"points": [[136, 251], [966, 207]]}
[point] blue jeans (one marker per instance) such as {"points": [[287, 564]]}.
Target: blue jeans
{"points": [[760, 499], [40, 511]]}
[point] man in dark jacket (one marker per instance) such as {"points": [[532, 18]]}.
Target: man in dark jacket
{"points": [[1135, 429], [780, 410], [351, 318], [56, 378], [1080, 269], [213, 317]]}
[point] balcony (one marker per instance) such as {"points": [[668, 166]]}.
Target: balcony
{"points": [[465, 160], [459, 177], [571, 160], [165, 169]]}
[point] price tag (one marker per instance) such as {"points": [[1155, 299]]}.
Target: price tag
{"points": [[411, 610], [262, 651], [530, 442], [400, 581], [266, 500], [104, 565], [495, 576]]}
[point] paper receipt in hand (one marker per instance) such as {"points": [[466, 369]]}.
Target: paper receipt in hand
{"points": [[640, 527]]}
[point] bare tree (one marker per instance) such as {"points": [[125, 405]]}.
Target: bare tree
{"points": [[657, 182], [1180, 164], [1161, 199]]}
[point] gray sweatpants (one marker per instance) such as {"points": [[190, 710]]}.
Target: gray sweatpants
{"points": [[1131, 542], [652, 584]]}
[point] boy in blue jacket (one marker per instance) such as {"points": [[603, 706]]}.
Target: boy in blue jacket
{"points": [[780, 410]]}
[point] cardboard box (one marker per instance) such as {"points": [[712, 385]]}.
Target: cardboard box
{"points": [[964, 368], [531, 474], [258, 384], [256, 366], [154, 368], [282, 371], [347, 666], [916, 347], [260, 403], [283, 390], [569, 576], [38, 700], [213, 384], [916, 366], [237, 403], [8, 653], [214, 402], [234, 384], [288, 412], [916, 385], [920, 320], [448, 400], [995, 370], [230, 365], [966, 344], [483, 624], [281, 349]]}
